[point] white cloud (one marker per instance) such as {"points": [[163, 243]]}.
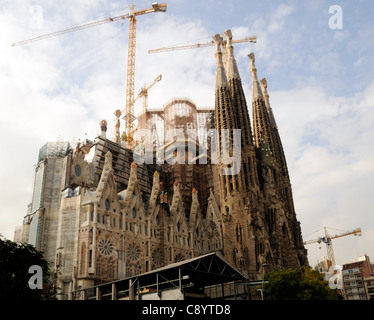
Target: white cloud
{"points": [[278, 18], [328, 142]]}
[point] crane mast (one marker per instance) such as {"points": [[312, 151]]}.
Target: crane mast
{"points": [[144, 92], [330, 251], [130, 86]]}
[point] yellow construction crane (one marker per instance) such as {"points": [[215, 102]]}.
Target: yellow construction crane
{"points": [[129, 137], [327, 240], [202, 45], [129, 111], [144, 92], [199, 45]]}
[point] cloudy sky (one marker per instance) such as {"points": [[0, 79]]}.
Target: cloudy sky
{"points": [[320, 82]]}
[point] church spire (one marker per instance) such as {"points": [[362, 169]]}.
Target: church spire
{"points": [[261, 118], [221, 79], [240, 109], [256, 90], [224, 119], [223, 104], [278, 149], [232, 67], [264, 86]]}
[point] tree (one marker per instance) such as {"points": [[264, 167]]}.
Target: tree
{"points": [[15, 262], [304, 284]]}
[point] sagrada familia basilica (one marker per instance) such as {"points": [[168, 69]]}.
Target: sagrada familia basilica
{"points": [[100, 214]]}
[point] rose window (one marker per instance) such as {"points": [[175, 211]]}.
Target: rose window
{"points": [[133, 252], [157, 257], [106, 248]]}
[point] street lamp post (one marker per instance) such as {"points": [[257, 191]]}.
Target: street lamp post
{"points": [[262, 285]]}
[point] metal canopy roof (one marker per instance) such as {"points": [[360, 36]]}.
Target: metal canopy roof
{"points": [[199, 272], [209, 269]]}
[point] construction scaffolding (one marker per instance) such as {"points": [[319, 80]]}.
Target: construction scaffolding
{"points": [[180, 119], [180, 132], [177, 114], [54, 149]]}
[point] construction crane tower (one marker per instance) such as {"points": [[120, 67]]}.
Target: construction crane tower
{"points": [[129, 110], [327, 240], [144, 92]]}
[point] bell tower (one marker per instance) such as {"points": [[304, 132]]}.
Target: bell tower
{"points": [[231, 115]]}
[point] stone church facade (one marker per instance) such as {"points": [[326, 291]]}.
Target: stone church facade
{"points": [[100, 216]]}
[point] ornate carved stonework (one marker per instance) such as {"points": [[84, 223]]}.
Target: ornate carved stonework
{"points": [[128, 218]]}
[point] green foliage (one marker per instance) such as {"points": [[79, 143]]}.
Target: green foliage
{"points": [[290, 284], [15, 261]]}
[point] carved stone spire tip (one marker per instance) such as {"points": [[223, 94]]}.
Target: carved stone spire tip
{"points": [[256, 90], [228, 34], [264, 83], [264, 86], [251, 57], [232, 67], [221, 79], [218, 42]]}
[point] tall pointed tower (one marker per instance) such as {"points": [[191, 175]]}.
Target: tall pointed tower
{"points": [[258, 220], [240, 109], [279, 151], [261, 118], [286, 242], [230, 114], [224, 124], [248, 172], [266, 130], [284, 183]]}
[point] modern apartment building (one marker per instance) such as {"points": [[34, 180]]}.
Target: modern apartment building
{"points": [[358, 279]]}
